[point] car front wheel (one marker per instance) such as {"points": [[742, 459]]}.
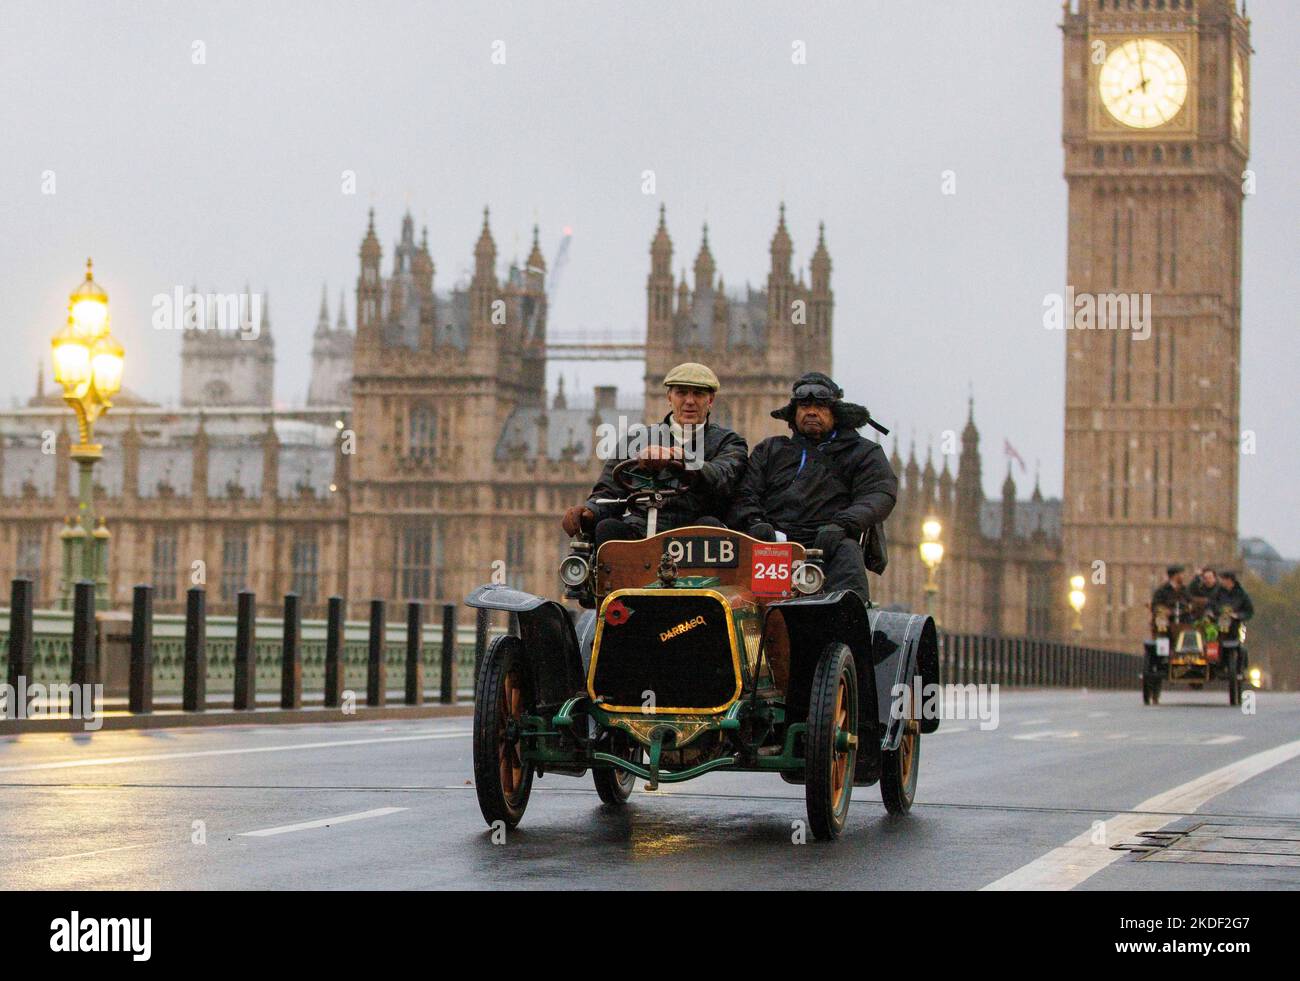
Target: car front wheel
{"points": [[502, 696], [831, 743]]}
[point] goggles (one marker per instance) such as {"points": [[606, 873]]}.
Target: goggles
{"points": [[814, 392]]}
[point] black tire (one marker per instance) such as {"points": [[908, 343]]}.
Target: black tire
{"points": [[502, 781], [616, 786], [1234, 678], [899, 767], [828, 771]]}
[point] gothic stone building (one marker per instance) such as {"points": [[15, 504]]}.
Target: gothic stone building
{"points": [[430, 456]]}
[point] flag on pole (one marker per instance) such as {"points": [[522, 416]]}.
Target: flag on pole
{"points": [[1011, 454]]}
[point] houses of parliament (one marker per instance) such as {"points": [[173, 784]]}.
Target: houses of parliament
{"points": [[429, 455]]}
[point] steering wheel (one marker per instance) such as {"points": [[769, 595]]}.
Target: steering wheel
{"points": [[668, 479]]}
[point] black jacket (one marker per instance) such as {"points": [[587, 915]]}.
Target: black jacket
{"points": [[711, 488], [797, 486], [1167, 594], [1235, 599]]}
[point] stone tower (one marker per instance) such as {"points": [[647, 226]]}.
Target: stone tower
{"points": [[331, 358], [435, 377], [221, 366], [1156, 128], [757, 341]]}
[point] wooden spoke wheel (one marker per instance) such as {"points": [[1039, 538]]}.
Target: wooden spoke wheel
{"points": [[831, 744], [502, 697], [899, 767]]}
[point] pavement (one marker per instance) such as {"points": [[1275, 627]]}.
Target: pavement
{"points": [[1036, 802]]}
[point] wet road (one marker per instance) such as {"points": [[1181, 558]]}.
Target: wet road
{"points": [[389, 805]]}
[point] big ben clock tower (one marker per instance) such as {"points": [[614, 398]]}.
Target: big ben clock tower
{"points": [[1156, 129]]}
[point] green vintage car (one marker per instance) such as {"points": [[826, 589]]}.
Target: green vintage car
{"points": [[703, 650]]}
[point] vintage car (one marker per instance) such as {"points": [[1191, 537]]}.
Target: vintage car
{"points": [[702, 650], [1194, 645]]}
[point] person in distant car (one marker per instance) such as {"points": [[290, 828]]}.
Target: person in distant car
{"points": [[1203, 588], [1173, 591], [1232, 598], [823, 485]]}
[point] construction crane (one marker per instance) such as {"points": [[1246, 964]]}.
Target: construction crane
{"points": [[585, 345]]}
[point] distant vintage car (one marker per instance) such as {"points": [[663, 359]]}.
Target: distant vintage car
{"points": [[1194, 645], [702, 650]]}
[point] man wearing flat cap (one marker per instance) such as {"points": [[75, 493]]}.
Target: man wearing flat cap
{"points": [[823, 485], [708, 459], [1172, 591]]}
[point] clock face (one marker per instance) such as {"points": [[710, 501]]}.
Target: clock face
{"points": [[1238, 96], [1143, 83]]}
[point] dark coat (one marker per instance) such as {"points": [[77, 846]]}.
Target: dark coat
{"points": [[1235, 599], [711, 486], [790, 486], [1167, 594]]}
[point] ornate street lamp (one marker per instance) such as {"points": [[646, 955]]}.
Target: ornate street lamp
{"points": [[88, 365], [1078, 598], [931, 550]]}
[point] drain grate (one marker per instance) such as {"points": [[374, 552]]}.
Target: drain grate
{"points": [[1270, 845]]}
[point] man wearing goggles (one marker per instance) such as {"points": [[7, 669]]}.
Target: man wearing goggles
{"points": [[824, 485]]}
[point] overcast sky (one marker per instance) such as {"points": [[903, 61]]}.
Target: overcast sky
{"points": [[170, 172]]}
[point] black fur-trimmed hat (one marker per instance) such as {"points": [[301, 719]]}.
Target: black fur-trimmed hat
{"points": [[815, 384]]}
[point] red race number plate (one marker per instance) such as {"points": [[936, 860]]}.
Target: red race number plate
{"points": [[773, 567]]}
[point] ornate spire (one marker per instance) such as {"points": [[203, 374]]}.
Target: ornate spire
{"points": [[536, 261], [704, 266], [343, 312], [782, 248], [323, 320]]}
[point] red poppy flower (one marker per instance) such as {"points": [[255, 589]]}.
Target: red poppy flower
{"points": [[616, 613]]}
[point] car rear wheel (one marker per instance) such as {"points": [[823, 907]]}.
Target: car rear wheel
{"points": [[831, 746], [502, 697], [615, 786], [1150, 691], [899, 767]]}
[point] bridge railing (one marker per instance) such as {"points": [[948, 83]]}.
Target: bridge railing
{"points": [[196, 661], [1031, 662]]}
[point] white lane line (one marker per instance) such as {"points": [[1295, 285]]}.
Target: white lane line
{"points": [[1034, 722], [195, 754], [98, 851], [1223, 740], [285, 829], [1081, 857]]}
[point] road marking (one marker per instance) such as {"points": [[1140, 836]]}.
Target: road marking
{"points": [[195, 754], [1081, 858], [1223, 740], [285, 829], [1050, 734], [1034, 722], [98, 851]]}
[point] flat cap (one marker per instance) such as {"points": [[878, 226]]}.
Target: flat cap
{"points": [[694, 374]]}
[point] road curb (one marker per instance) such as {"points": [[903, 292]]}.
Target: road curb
{"points": [[229, 717]]}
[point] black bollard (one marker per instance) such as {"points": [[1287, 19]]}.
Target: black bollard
{"points": [[291, 654], [334, 653], [194, 692], [83, 633], [20, 633], [141, 686], [376, 675], [245, 650], [414, 653], [447, 694]]}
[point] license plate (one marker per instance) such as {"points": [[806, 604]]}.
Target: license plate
{"points": [[1162, 646], [773, 569], [701, 552]]}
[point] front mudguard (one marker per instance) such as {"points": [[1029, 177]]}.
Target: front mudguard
{"points": [[550, 643], [905, 649]]}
